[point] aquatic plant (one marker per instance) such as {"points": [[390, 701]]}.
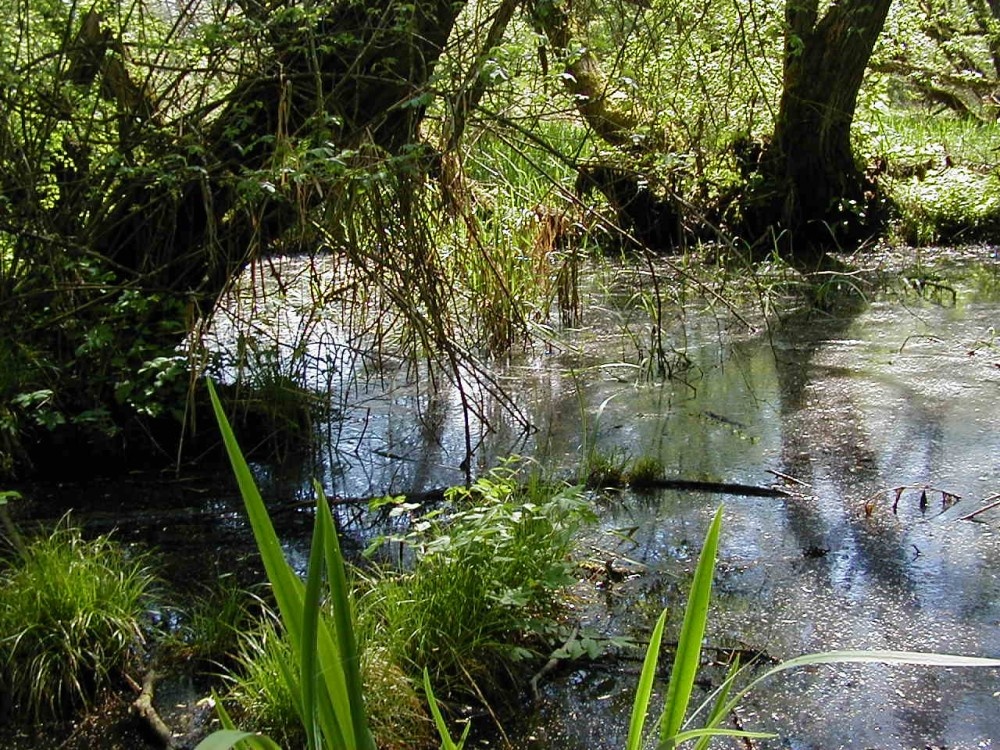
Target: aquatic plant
{"points": [[499, 565], [674, 726], [644, 471], [261, 696], [486, 573], [71, 614]]}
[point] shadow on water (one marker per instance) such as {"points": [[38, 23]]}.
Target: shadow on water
{"points": [[853, 402], [841, 405]]}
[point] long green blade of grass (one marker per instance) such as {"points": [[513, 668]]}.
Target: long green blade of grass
{"points": [[447, 743], [309, 665], [688, 656], [640, 706], [913, 658], [720, 697], [288, 589], [227, 738], [350, 672], [338, 710]]}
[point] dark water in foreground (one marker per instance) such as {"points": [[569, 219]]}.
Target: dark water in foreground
{"points": [[898, 391]]}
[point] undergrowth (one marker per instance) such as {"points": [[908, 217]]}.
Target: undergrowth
{"points": [[71, 616]]}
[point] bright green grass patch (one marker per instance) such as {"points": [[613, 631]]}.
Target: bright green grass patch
{"points": [[939, 173], [952, 206], [71, 614], [211, 626]]}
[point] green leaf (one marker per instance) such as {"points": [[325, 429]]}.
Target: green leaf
{"points": [[688, 656], [344, 625], [640, 706], [337, 704], [913, 658], [447, 743], [227, 738], [309, 664]]}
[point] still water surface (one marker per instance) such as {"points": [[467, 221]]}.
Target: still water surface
{"points": [[841, 407], [882, 408]]}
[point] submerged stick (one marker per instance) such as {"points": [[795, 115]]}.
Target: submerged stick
{"points": [[989, 506], [721, 488], [144, 709]]}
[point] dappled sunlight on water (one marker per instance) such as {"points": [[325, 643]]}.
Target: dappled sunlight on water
{"points": [[879, 419]]}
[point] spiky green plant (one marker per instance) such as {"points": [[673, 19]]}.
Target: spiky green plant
{"points": [[323, 674], [71, 614], [675, 726]]}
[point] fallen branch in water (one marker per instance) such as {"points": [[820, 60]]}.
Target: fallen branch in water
{"points": [[992, 501], [721, 488]]}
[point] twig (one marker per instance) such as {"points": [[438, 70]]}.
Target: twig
{"points": [[549, 666], [788, 478], [992, 502], [144, 709]]}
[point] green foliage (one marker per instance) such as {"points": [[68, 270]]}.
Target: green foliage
{"points": [[937, 172], [954, 206], [211, 627], [323, 676], [486, 571], [606, 468], [262, 699], [71, 615]]}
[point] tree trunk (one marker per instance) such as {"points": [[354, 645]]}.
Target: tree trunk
{"points": [[369, 77], [813, 194], [647, 216]]}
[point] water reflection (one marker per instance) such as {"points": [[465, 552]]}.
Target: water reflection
{"points": [[853, 401]]}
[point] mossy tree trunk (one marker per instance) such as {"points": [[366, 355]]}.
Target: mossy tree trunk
{"points": [[648, 216], [357, 75], [813, 193]]}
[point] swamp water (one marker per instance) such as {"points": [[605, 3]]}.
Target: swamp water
{"points": [[878, 417]]}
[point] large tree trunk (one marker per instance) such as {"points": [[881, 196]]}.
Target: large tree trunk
{"points": [[368, 77], [814, 194]]}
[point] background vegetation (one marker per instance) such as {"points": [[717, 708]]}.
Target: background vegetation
{"points": [[453, 162]]}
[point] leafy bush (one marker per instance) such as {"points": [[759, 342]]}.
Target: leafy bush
{"points": [[71, 613], [487, 569]]}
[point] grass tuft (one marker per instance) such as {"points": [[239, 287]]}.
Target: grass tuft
{"points": [[71, 614]]}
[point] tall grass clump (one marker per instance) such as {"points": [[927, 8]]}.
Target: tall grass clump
{"points": [[486, 573], [71, 615], [212, 625], [261, 697]]}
